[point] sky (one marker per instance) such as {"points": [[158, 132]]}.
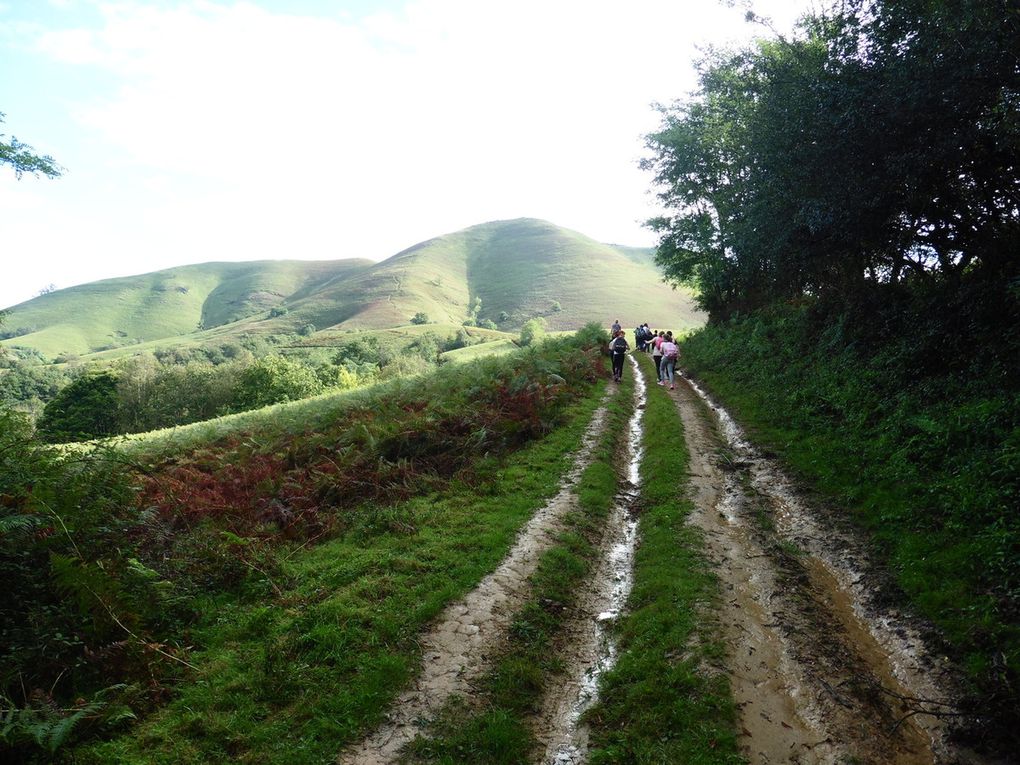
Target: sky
{"points": [[201, 130]]}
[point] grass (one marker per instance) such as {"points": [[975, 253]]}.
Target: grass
{"points": [[495, 728], [522, 267], [661, 703], [162, 305], [913, 435], [291, 678]]}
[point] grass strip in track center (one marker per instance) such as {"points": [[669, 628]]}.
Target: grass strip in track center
{"points": [[661, 703], [495, 729], [293, 679]]}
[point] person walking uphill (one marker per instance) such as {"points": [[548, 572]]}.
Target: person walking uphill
{"points": [[670, 353], [618, 348]]}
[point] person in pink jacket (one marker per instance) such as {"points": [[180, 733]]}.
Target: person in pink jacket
{"points": [[670, 354]]}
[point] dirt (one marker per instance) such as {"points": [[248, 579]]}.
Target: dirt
{"points": [[458, 648], [589, 648], [821, 670]]}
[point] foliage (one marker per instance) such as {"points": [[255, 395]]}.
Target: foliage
{"points": [[84, 409], [909, 414], [76, 611], [878, 147], [22, 158], [420, 318], [273, 379], [533, 331]]}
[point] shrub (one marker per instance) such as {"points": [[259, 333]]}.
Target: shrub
{"points": [[533, 331], [420, 318]]}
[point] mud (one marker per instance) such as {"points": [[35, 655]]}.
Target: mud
{"points": [[458, 648], [590, 649], [821, 671]]}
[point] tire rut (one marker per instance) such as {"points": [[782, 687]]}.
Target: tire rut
{"points": [[588, 646], [458, 648], [820, 672]]}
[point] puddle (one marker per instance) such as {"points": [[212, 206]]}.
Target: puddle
{"points": [[458, 648], [803, 604], [591, 649]]}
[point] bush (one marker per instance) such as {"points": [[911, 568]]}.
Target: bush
{"points": [[420, 318], [533, 331]]}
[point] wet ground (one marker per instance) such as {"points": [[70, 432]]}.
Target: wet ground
{"points": [[822, 671], [458, 648]]}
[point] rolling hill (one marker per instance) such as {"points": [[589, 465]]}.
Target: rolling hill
{"points": [[503, 271]]}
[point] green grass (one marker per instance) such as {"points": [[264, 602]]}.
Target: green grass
{"points": [[521, 267], [163, 305], [495, 728], [662, 703], [917, 446], [292, 678]]}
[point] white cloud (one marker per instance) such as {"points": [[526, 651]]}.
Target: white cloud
{"points": [[235, 132]]}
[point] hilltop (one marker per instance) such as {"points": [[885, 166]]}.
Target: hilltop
{"points": [[505, 272]]}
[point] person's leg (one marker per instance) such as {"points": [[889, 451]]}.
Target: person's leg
{"points": [[658, 367], [670, 370]]}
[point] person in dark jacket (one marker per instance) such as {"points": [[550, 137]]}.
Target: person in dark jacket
{"points": [[618, 348]]}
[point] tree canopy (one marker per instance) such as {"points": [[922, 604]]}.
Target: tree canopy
{"points": [[23, 158], [881, 145]]}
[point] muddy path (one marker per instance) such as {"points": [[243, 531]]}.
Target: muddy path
{"points": [[587, 646], [821, 670], [458, 648]]}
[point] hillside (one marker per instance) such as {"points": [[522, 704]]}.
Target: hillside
{"points": [[517, 269], [162, 305]]}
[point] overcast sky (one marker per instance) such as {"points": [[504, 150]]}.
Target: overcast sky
{"points": [[215, 130]]}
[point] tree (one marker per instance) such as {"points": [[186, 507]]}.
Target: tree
{"points": [[273, 379], [420, 318], [82, 410], [877, 147], [20, 156], [533, 331]]}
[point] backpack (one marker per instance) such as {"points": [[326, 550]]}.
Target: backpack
{"points": [[670, 350], [619, 345]]}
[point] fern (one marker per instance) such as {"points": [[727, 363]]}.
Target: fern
{"points": [[18, 525]]}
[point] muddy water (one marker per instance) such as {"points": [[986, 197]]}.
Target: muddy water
{"points": [[457, 650], [818, 667], [590, 649]]}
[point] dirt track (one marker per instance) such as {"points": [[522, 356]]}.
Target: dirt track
{"points": [[821, 671]]}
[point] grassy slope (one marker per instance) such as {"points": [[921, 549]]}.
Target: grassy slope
{"points": [[163, 304], [291, 679], [520, 266]]}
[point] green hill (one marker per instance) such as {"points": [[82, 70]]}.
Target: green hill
{"points": [[504, 271], [162, 305]]}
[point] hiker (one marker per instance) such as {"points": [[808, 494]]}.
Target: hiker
{"points": [[618, 348], [670, 354], [657, 354], [639, 337], [616, 328], [649, 336]]}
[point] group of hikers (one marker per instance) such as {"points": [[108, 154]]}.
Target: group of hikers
{"points": [[660, 344]]}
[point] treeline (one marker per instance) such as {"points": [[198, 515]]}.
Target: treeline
{"points": [[847, 202], [176, 387]]}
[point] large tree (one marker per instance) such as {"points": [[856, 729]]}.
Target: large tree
{"points": [[881, 144]]}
